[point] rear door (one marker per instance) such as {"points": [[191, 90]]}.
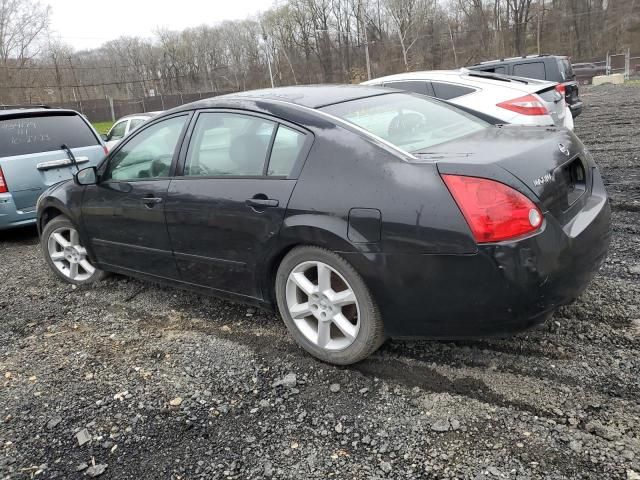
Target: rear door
{"points": [[30, 155], [123, 215], [225, 211]]}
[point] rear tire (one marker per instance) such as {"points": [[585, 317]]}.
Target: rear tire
{"points": [[65, 255], [327, 307]]}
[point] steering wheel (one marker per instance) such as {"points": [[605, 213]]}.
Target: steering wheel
{"points": [[159, 167], [200, 170], [406, 123]]}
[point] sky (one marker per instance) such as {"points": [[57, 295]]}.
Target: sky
{"points": [[86, 24]]}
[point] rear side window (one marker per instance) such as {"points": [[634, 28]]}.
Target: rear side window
{"points": [[447, 91], [411, 86], [229, 144], [22, 136], [501, 69], [530, 70], [286, 150]]}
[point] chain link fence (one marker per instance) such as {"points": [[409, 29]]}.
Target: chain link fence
{"points": [[110, 109]]}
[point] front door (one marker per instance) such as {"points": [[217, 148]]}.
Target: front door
{"points": [[226, 209], [123, 215]]}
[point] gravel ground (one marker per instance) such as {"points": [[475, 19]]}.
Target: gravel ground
{"points": [[130, 380]]}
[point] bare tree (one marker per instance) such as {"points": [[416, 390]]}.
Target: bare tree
{"points": [[519, 15], [406, 17], [304, 41]]}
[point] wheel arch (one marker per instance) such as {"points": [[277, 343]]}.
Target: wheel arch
{"points": [[48, 213], [294, 235], [50, 208]]}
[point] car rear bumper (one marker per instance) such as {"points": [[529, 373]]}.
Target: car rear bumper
{"points": [[576, 108], [502, 289], [11, 217]]}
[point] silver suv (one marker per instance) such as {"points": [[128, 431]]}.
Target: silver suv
{"points": [[38, 147]]}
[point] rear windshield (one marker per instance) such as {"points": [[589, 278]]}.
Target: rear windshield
{"points": [[411, 122], [21, 136]]}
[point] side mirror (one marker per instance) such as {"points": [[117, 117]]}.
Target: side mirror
{"points": [[104, 137], [86, 176]]}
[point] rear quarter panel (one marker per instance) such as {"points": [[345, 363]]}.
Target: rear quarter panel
{"points": [[345, 171]]}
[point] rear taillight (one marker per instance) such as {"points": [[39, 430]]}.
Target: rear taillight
{"points": [[527, 105], [561, 88], [494, 211], [106, 150], [3, 183]]}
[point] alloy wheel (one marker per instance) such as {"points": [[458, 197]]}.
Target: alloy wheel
{"points": [[323, 305], [68, 255]]}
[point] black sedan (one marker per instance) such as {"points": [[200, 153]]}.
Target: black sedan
{"points": [[360, 212]]}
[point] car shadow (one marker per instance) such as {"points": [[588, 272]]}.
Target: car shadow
{"points": [[19, 235]]}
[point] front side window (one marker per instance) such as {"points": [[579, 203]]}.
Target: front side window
{"points": [[410, 122], [228, 144], [148, 154], [117, 131]]}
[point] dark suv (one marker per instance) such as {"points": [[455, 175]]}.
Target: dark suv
{"points": [[554, 68]]}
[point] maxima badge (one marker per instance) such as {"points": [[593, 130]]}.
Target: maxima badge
{"points": [[564, 149]]}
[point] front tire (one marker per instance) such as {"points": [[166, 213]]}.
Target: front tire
{"points": [[327, 307], [65, 255]]}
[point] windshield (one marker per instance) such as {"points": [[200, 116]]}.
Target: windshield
{"points": [[411, 122]]}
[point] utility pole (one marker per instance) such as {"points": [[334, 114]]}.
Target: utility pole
{"points": [[539, 19], [268, 52], [77, 85], [453, 45], [366, 41]]}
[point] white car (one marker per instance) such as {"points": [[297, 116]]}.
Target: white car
{"points": [[124, 126], [516, 100]]}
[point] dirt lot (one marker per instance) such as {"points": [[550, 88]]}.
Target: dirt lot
{"points": [[166, 384]]}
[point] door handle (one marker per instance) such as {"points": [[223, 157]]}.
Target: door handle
{"points": [[262, 202], [151, 201]]}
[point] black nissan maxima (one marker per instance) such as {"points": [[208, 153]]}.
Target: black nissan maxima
{"points": [[360, 213]]}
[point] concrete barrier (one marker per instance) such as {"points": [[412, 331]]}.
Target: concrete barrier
{"points": [[615, 78]]}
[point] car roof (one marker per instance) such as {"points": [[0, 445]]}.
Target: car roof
{"points": [[525, 58], [417, 75], [35, 112], [466, 76], [311, 96], [142, 115]]}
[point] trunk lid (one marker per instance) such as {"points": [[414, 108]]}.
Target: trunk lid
{"points": [[547, 164], [31, 158], [551, 98], [554, 101]]}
